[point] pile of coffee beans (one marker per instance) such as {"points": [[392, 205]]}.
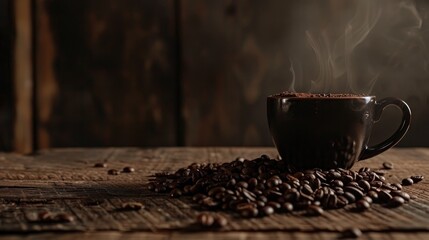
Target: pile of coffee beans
{"points": [[262, 186]]}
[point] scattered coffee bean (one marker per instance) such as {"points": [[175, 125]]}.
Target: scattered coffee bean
{"points": [[220, 221], [314, 210], [396, 201], [401, 194], [128, 170], [407, 181], [135, 206], [388, 165], [100, 165], [263, 186], [47, 216], [205, 219], [113, 172], [64, 217], [351, 233], [417, 178], [362, 205]]}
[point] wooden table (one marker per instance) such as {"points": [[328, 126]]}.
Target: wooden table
{"points": [[64, 180]]}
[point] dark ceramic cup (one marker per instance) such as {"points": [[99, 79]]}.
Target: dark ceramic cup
{"points": [[329, 132]]}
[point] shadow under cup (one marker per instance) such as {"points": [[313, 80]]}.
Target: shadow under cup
{"points": [[329, 132]]}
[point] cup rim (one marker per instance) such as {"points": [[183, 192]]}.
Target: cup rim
{"points": [[315, 97]]}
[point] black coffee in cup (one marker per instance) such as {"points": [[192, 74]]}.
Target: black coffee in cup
{"points": [[328, 130]]}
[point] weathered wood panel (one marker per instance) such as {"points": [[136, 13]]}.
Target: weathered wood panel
{"points": [[105, 73], [6, 83], [23, 76], [234, 55]]}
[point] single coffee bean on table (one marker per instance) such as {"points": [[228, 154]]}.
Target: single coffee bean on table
{"points": [[132, 206], [113, 172], [128, 170], [388, 165], [263, 186], [100, 165], [417, 178]]}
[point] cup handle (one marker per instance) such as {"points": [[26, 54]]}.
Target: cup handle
{"points": [[369, 152]]}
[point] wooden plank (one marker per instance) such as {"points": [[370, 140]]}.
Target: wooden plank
{"points": [[105, 73], [111, 235], [6, 82], [234, 55], [64, 180], [23, 77]]}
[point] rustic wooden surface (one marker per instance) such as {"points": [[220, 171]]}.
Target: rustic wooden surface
{"points": [[64, 180], [105, 73]]}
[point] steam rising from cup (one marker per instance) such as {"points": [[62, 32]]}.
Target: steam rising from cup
{"points": [[348, 47]]}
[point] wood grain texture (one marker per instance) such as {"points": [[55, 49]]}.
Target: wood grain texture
{"points": [[23, 76], [64, 180], [6, 82], [108, 235], [105, 73], [234, 55]]}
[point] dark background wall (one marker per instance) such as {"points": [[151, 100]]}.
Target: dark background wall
{"points": [[190, 72]]}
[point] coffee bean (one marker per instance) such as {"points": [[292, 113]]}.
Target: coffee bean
{"points": [[368, 199], [358, 194], [350, 197], [63, 217], [388, 165], [338, 183], [342, 201], [351, 233], [373, 195], [287, 207], [306, 189], [113, 172], [132, 206], [314, 210], [267, 210], [100, 165], [220, 221], [362, 205], [252, 183], [331, 201], [377, 184], [215, 190], [249, 212], [319, 194], [401, 194], [334, 175], [242, 184], [398, 185], [365, 185], [407, 181], [396, 201], [417, 178], [128, 170], [205, 219], [384, 196]]}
